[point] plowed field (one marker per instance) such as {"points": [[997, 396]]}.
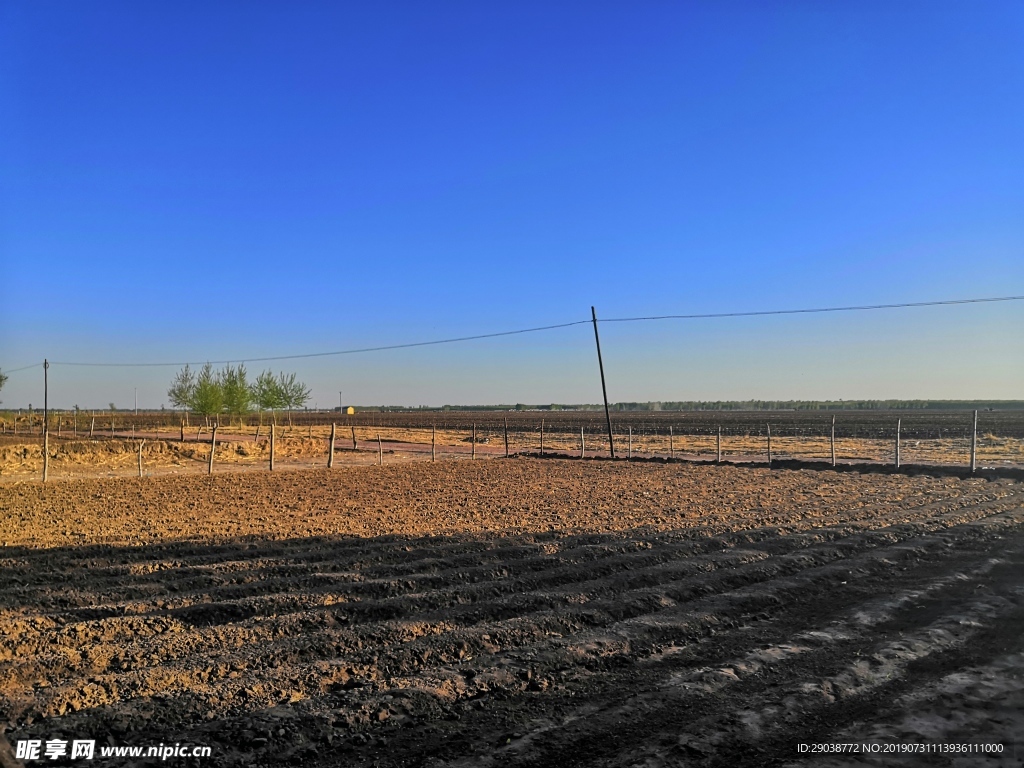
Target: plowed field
{"points": [[517, 613]]}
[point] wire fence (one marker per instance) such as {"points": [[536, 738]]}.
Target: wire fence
{"points": [[161, 441]]}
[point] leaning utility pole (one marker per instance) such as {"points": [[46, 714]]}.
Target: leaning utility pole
{"points": [[604, 390]]}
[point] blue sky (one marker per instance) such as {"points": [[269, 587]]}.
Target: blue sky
{"points": [[206, 181]]}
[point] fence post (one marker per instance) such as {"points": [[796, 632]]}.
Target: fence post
{"points": [[974, 444], [273, 435], [354, 446], [542, 437], [833, 440], [629, 448], [899, 423], [719, 444], [141, 443], [111, 423], [92, 426], [583, 445], [769, 445], [506, 437], [474, 442], [330, 454], [433, 442], [213, 448], [380, 451], [671, 443], [181, 433]]}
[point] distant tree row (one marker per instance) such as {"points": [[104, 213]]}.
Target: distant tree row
{"points": [[228, 392]]}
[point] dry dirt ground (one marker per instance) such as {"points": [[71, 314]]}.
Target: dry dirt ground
{"points": [[516, 613]]}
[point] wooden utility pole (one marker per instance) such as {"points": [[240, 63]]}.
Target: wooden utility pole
{"points": [[330, 452], [604, 391], [974, 444]]}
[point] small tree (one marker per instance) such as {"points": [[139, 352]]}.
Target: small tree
{"points": [[3, 380], [266, 392], [208, 399], [294, 393], [237, 395], [183, 390]]}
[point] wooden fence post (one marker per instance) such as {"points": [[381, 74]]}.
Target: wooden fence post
{"points": [[273, 435], [354, 446], [474, 442], [330, 453], [769, 445], [671, 443], [583, 445], [111, 424], [92, 426], [542, 437], [58, 425], [506, 437], [974, 444], [141, 443], [181, 432], [213, 448], [433, 442], [629, 445], [719, 444], [899, 423], [833, 441], [380, 451]]}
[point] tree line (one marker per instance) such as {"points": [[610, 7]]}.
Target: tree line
{"points": [[228, 391]]}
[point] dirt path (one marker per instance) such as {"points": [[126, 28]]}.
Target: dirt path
{"points": [[516, 613]]}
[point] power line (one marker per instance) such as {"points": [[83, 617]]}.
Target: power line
{"points": [[809, 311], [712, 315], [23, 368], [340, 352]]}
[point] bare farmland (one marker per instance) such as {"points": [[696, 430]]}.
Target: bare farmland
{"points": [[515, 612]]}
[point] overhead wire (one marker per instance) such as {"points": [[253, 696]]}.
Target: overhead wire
{"points": [[409, 345]]}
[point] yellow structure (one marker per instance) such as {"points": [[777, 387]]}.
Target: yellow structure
{"points": [[350, 410]]}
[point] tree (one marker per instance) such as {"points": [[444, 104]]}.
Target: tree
{"points": [[294, 393], [266, 392], [183, 390], [237, 396], [208, 399], [3, 380]]}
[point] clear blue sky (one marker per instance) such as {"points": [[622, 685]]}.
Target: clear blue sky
{"points": [[194, 181]]}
